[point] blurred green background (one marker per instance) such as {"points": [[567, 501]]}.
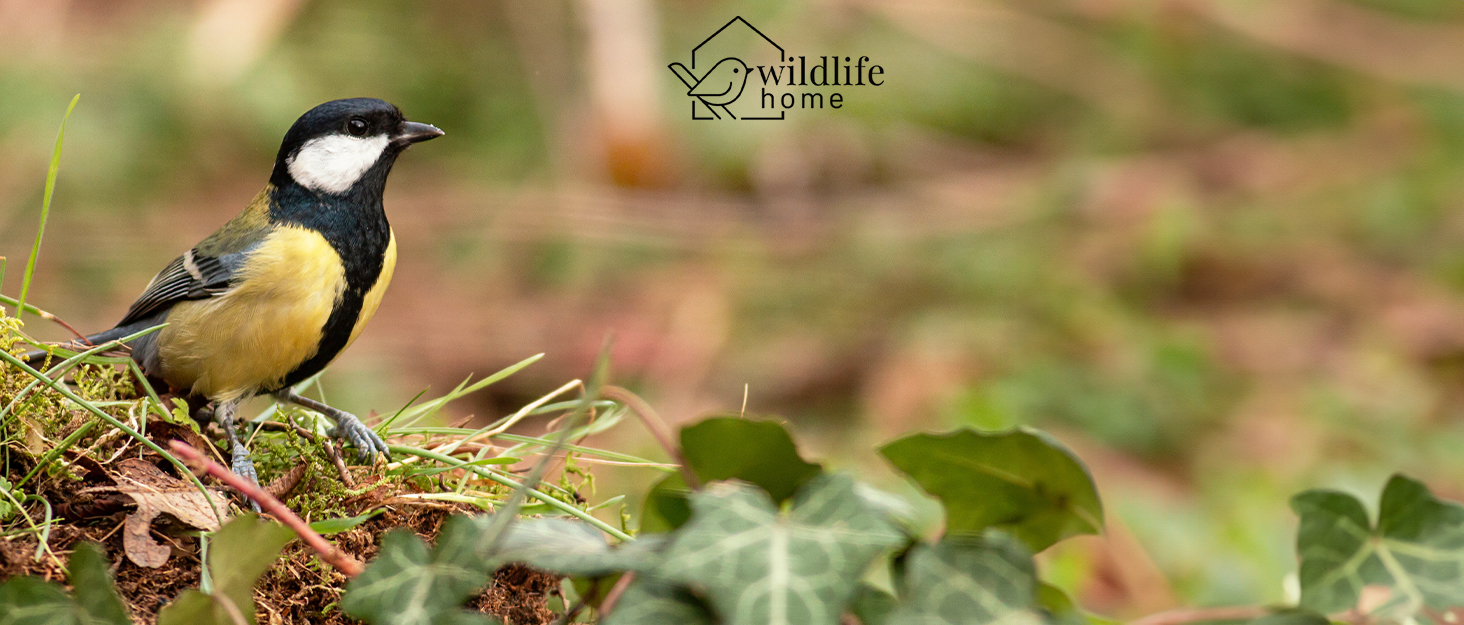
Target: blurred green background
{"points": [[1216, 246]]}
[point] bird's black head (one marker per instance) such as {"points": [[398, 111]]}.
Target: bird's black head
{"points": [[346, 145]]}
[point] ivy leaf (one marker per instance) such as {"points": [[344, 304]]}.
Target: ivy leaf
{"points": [[573, 548], [195, 607], [1416, 549], [1058, 608], [872, 606], [968, 581], [7, 509], [408, 584], [1291, 617], [241, 552], [93, 587], [759, 452], [894, 508], [1022, 482], [650, 602], [238, 554], [469, 617], [727, 448], [32, 601], [666, 508], [757, 566]]}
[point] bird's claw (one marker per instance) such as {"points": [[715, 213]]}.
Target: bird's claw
{"points": [[347, 427], [367, 443], [241, 464]]}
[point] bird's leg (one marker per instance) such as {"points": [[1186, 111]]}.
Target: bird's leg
{"points": [[239, 460], [347, 426], [223, 414]]}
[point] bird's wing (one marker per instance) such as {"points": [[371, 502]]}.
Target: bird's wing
{"points": [[189, 277], [197, 274], [207, 270]]}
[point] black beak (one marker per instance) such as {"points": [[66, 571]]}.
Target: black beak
{"points": [[413, 132]]}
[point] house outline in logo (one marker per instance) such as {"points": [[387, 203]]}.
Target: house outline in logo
{"points": [[724, 82]]}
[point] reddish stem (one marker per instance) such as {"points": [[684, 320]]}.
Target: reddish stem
{"points": [[274, 507], [1191, 615], [62, 323], [612, 597], [658, 427]]}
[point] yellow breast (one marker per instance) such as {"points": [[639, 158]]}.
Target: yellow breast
{"points": [[226, 347]]}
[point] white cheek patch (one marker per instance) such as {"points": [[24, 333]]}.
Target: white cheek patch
{"points": [[334, 162]]}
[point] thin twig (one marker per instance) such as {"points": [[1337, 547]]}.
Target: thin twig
{"points": [[340, 560], [574, 610], [1194, 615], [62, 322], [340, 464], [615, 591], [288, 427], [658, 427], [330, 450], [48, 317], [579, 604]]}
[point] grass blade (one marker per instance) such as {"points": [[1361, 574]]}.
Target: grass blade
{"points": [[422, 411], [511, 483], [61, 368], [57, 386], [30, 266]]}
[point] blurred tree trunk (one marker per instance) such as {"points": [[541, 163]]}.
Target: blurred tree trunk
{"points": [[32, 26], [623, 64], [231, 35]]}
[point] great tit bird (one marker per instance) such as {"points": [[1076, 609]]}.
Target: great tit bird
{"points": [[275, 294]]}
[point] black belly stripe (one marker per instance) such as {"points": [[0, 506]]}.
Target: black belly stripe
{"points": [[355, 225]]}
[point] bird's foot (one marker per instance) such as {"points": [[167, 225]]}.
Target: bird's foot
{"points": [[239, 461], [353, 431], [347, 427], [241, 464]]}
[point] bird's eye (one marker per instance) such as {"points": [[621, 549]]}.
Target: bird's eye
{"points": [[357, 126]]}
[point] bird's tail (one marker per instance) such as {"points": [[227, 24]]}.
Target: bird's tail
{"points": [[39, 355], [687, 78]]}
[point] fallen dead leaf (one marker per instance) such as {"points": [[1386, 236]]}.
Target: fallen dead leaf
{"points": [[156, 492], [283, 484]]}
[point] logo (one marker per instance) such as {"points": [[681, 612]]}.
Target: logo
{"points": [[720, 74]]}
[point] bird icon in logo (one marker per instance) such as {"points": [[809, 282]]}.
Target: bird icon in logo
{"points": [[720, 86]]}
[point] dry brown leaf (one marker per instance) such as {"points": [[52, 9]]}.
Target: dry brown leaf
{"points": [[281, 487], [137, 539], [156, 492]]}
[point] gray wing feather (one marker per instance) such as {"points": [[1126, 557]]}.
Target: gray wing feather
{"points": [[192, 276]]}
